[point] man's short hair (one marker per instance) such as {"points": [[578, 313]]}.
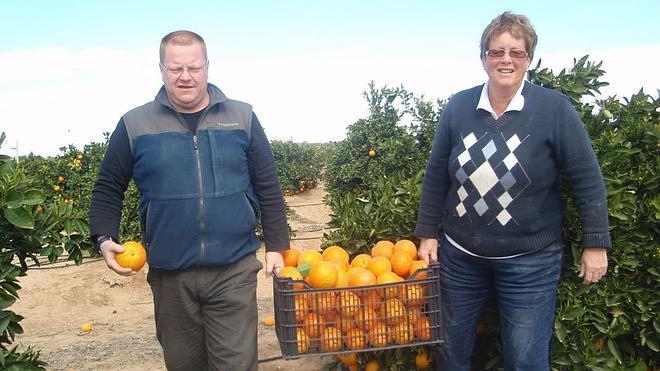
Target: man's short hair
{"points": [[181, 37]]}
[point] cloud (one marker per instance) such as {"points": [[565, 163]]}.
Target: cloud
{"points": [[53, 97]]}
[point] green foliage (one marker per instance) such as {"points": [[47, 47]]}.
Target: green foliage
{"points": [[613, 325], [69, 177], [298, 165], [386, 210], [30, 226], [399, 129]]}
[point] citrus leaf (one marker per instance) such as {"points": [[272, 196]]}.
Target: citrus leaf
{"points": [[304, 269], [14, 199], [33, 197], [614, 349], [19, 217]]}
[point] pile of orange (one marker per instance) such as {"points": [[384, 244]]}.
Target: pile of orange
{"points": [[370, 301]]}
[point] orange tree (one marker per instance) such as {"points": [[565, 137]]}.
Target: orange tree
{"points": [[298, 165], [396, 137], [608, 326], [30, 226], [69, 177]]}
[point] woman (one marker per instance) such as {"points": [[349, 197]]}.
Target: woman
{"points": [[492, 181]]}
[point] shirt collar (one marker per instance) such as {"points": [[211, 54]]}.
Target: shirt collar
{"points": [[517, 102]]}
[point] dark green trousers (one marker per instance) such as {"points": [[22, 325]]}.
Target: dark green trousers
{"points": [[206, 318]]}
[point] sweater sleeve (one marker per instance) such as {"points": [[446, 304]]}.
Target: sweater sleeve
{"points": [[108, 192], [581, 167], [263, 171], [436, 180]]}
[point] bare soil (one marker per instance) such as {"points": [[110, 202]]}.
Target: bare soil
{"points": [[56, 299]]}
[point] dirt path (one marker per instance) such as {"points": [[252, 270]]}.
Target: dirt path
{"points": [[56, 299]]}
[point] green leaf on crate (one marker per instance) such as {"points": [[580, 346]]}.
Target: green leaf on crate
{"points": [[304, 269]]}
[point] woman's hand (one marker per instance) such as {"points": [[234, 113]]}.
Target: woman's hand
{"points": [[594, 265], [428, 250]]}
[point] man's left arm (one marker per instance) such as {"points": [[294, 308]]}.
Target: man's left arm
{"points": [[263, 172]]}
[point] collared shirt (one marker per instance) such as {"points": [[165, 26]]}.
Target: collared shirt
{"points": [[517, 102]]}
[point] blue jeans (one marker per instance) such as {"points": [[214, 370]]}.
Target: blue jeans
{"points": [[526, 290]]}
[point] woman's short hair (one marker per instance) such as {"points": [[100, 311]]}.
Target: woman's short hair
{"points": [[518, 25], [181, 37]]}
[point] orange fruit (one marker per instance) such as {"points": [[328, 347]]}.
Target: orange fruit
{"points": [[371, 298], [60, 178], [481, 328], [349, 304], [422, 361], [423, 328], [420, 265], [392, 311], [56, 188], [323, 275], [406, 246], [379, 265], [365, 319], [313, 325], [269, 320], [401, 263], [355, 339], [331, 318], [302, 340], [349, 359], [383, 248], [301, 307], [79, 156], [413, 295], [372, 153], [309, 256], [361, 260], [342, 279], [331, 339], [335, 252], [86, 327], [402, 333], [372, 366], [340, 264], [134, 256], [379, 335], [292, 273], [322, 302], [361, 277], [389, 277], [413, 314], [291, 257]]}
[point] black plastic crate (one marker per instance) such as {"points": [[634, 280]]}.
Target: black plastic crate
{"points": [[311, 321]]}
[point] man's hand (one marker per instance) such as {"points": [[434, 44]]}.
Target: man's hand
{"points": [[109, 249], [594, 265], [428, 250], [274, 262]]}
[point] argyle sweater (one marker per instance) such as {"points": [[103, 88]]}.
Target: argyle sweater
{"points": [[494, 184]]}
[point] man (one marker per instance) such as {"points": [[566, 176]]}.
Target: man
{"points": [[206, 173]]}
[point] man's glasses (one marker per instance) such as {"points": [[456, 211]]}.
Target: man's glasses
{"points": [[178, 71], [513, 53]]}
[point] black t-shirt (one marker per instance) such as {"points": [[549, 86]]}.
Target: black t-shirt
{"points": [[192, 120]]}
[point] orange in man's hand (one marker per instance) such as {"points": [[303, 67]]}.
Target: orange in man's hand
{"points": [[134, 256]]}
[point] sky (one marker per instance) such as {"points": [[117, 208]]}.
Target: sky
{"points": [[71, 69]]}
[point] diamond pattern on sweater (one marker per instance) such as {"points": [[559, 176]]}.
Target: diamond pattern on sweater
{"points": [[490, 176]]}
